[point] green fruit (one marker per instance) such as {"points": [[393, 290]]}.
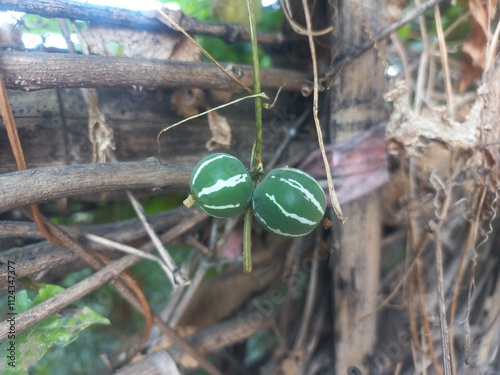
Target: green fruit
{"points": [[289, 202], [221, 185]]}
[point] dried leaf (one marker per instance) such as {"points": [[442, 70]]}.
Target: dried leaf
{"points": [[221, 96], [187, 102], [232, 246], [130, 43], [184, 50], [100, 133], [474, 48], [291, 364], [485, 114], [221, 132], [359, 166], [407, 128]]}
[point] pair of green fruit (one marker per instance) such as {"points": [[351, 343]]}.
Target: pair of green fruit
{"points": [[288, 201]]}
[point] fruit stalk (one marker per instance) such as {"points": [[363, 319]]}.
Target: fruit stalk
{"points": [[247, 241]]}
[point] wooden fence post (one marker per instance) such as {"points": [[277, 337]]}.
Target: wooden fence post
{"points": [[356, 104]]}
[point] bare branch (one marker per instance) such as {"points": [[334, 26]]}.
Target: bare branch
{"points": [[118, 17], [53, 262], [68, 296], [19, 189], [36, 71]]}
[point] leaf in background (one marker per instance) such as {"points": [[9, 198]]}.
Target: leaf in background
{"points": [[129, 43], [187, 102], [35, 24], [235, 11], [474, 48], [61, 329], [221, 132], [185, 51]]}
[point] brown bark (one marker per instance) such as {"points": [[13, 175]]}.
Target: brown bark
{"points": [[35, 71], [84, 12], [357, 103], [117, 17], [19, 189], [53, 263], [53, 127]]}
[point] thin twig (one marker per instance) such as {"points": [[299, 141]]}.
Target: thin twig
{"points": [[180, 341], [401, 50], [385, 32], [445, 338], [425, 318], [298, 28], [411, 248], [17, 150], [331, 188], [133, 251], [402, 281], [436, 227], [261, 95], [444, 61], [177, 278], [291, 263], [310, 299], [291, 132], [66, 35], [473, 260], [456, 293], [422, 66], [187, 296], [164, 17], [458, 22], [491, 49]]}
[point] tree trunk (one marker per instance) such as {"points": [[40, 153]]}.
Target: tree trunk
{"points": [[356, 104]]}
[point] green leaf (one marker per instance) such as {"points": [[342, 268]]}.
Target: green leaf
{"points": [[23, 302], [271, 21], [47, 291], [60, 329], [404, 32], [39, 25]]}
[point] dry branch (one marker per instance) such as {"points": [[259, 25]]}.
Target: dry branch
{"points": [[102, 276], [377, 37], [53, 262], [77, 291], [117, 17], [68, 296], [35, 71], [19, 189]]}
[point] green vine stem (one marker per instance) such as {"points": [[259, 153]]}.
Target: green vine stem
{"points": [[257, 154], [256, 161]]}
